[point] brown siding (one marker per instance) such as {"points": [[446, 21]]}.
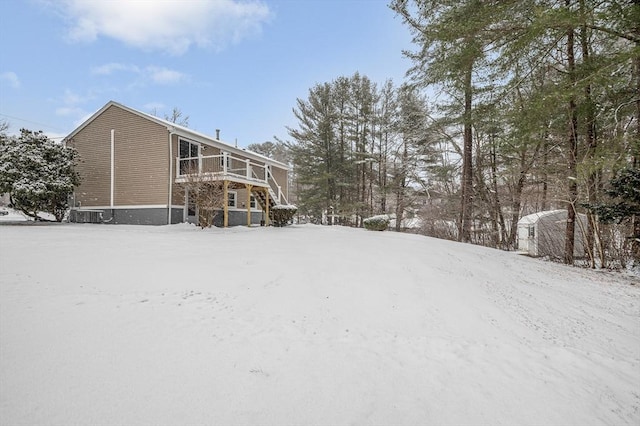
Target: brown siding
{"points": [[93, 146], [209, 150], [141, 160], [242, 199], [280, 175], [177, 194]]}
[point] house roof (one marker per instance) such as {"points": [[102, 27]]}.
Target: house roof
{"points": [[181, 131]]}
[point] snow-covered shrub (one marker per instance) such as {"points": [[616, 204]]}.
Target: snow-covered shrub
{"points": [[282, 214], [37, 173], [376, 223]]}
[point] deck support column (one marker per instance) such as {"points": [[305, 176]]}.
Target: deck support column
{"points": [[225, 201], [249, 188], [266, 219]]}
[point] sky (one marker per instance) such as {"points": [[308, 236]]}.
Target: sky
{"points": [[233, 65]]}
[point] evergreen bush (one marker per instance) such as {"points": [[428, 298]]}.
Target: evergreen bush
{"points": [[376, 223], [281, 215]]}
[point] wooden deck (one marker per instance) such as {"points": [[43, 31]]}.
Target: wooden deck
{"points": [[234, 173], [228, 168]]}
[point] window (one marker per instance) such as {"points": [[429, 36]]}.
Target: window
{"points": [[252, 202], [188, 156], [232, 197], [532, 231]]}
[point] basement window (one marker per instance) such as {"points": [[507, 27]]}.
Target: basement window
{"points": [[232, 197]]}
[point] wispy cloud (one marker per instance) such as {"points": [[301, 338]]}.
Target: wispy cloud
{"points": [[152, 73], [171, 26], [112, 67], [160, 75], [66, 111], [153, 107], [11, 78], [72, 98], [71, 106]]}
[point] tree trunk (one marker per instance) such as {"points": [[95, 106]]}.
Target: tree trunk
{"points": [[383, 173], [572, 148], [501, 234], [402, 182], [545, 171], [467, 165], [635, 220], [636, 60], [592, 144], [516, 203]]}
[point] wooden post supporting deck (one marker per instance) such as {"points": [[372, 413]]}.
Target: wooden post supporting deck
{"points": [[225, 200], [266, 219], [249, 188]]}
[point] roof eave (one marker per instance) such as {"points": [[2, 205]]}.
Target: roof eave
{"points": [[179, 130]]}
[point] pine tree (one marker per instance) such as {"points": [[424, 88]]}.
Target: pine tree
{"points": [[334, 148], [623, 204], [315, 152], [411, 149], [559, 80], [453, 38]]}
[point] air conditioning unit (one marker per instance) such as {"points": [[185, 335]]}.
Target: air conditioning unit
{"points": [[86, 216]]}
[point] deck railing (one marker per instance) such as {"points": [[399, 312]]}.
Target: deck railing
{"points": [[226, 166], [276, 190]]}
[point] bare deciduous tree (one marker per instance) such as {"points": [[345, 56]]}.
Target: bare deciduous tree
{"points": [[206, 195], [177, 117]]}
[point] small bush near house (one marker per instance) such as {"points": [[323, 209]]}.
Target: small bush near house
{"points": [[376, 223], [282, 214]]}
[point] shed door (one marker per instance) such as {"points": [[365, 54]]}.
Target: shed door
{"points": [[526, 238]]}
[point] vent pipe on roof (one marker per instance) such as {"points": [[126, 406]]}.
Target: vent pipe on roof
{"points": [[218, 134]]}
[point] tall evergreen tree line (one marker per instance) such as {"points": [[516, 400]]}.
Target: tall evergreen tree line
{"points": [[358, 149], [537, 107]]}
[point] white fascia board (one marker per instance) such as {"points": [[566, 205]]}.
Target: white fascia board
{"points": [[148, 206]]}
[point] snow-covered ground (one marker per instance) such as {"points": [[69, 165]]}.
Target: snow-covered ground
{"points": [[305, 325], [10, 215]]}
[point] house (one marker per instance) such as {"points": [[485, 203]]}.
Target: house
{"points": [[543, 234], [136, 169]]}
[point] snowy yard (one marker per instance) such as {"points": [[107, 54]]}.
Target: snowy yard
{"points": [[305, 325]]}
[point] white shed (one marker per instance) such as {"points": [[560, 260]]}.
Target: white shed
{"points": [[542, 234]]}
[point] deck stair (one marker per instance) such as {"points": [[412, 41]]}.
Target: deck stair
{"points": [[261, 198], [277, 219]]}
